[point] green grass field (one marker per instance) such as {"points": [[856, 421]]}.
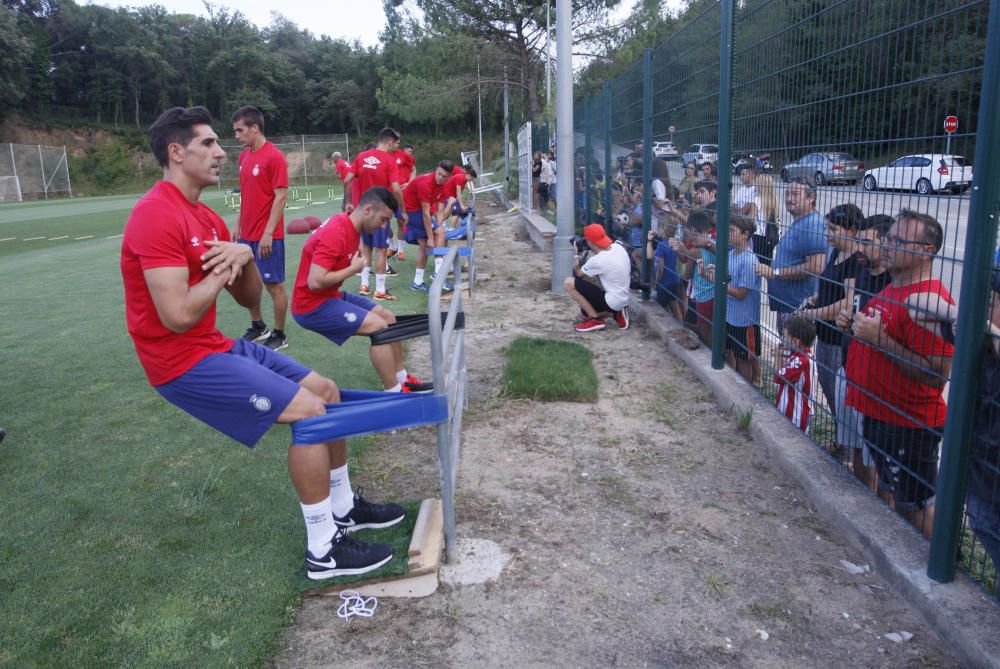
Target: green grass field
{"points": [[132, 535]]}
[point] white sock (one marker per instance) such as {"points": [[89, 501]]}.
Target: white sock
{"points": [[380, 283], [341, 495], [401, 375], [398, 388], [400, 246], [437, 264], [320, 527], [364, 275], [418, 276]]}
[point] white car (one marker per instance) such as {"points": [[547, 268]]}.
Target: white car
{"points": [[664, 150], [925, 173], [699, 154]]}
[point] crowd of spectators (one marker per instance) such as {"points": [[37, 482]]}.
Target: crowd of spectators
{"points": [[845, 309]]}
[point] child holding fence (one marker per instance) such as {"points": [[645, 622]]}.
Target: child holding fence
{"points": [[796, 374]]}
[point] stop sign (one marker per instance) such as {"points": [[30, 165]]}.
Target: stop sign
{"points": [[950, 124]]}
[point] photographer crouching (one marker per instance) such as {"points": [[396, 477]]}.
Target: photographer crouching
{"points": [[609, 263]]}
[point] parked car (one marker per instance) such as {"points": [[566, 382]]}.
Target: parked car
{"points": [[664, 150], [924, 173], [825, 168], [699, 154]]}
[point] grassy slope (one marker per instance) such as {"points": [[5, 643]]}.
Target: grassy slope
{"points": [[132, 534]]}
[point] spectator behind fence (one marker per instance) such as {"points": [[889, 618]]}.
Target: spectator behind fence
{"points": [[742, 301], [795, 377], [766, 204], [709, 173], [665, 274], [835, 284], [686, 186], [871, 277], [744, 196], [800, 255], [698, 248], [901, 369]]}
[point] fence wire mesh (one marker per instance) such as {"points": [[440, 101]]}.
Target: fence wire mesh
{"points": [[33, 171], [849, 207]]}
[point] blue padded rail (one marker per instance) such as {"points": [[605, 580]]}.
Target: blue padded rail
{"points": [[369, 412]]}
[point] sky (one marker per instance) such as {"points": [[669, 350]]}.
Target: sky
{"points": [[345, 19]]}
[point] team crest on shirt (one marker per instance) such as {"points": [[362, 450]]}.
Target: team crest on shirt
{"points": [[260, 403], [256, 170], [351, 317], [195, 241]]}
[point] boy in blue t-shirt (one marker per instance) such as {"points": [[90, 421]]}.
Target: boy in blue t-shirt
{"points": [[742, 301], [668, 281]]}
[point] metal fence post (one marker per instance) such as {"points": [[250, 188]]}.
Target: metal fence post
{"points": [[606, 93], [984, 211], [41, 164], [647, 161], [725, 184], [588, 178], [305, 161]]}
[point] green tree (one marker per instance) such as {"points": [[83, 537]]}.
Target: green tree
{"points": [[15, 47]]}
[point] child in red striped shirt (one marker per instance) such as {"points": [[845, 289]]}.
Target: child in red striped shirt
{"points": [[796, 371]]}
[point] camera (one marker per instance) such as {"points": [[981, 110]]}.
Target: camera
{"points": [[580, 244]]}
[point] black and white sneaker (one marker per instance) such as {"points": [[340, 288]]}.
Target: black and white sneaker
{"points": [[276, 341], [347, 557], [257, 332], [368, 515], [390, 270]]}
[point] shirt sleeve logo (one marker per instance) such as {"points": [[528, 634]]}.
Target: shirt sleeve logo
{"points": [[260, 403]]}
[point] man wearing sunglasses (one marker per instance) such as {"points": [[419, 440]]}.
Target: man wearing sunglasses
{"points": [[901, 367]]}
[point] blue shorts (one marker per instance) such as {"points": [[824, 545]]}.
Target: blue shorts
{"points": [[272, 269], [378, 239], [635, 237], [337, 319], [415, 227], [240, 392]]}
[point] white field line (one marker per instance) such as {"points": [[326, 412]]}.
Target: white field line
{"points": [[31, 239], [115, 236], [84, 237], [52, 239], [7, 239]]}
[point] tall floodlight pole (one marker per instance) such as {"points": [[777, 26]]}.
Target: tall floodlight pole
{"points": [[562, 250], [479, 89], [548, 52]]}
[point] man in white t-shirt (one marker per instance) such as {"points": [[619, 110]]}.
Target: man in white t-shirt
{"points": [[745, 195], [611, 266]]}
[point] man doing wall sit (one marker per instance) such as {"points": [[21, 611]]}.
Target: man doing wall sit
{"points": [[330, 257], [610, 265], [176, 258]]}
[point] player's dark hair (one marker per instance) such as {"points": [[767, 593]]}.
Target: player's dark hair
{"points": [[744, 224], [378, 195], [386, 134], [250, 116], [175, 126], [880, 223], [408, 146], [708, 185], [447, 166], [699, 220], [801, 328], [847, 216], [470, 170]]}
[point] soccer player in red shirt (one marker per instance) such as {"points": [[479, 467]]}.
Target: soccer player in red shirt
{"points": [[263, 195], [176, 257], [343, 168], [795, 377], [405, 162], [900, 368], [330, 257], [421, 200], [376, 167]]}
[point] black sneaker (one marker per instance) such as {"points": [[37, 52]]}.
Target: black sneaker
{"points": [[367, 515], [390, 270], [276, 341], [257, 332], [347, 557]]}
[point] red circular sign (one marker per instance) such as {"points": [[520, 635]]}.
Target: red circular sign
{"points": [[950, 124]]}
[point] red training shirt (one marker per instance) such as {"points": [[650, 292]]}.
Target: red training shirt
{"points": [[453, 185], [343, 169], [166, 230], [331, 246], [910, 403], [422, 189], [404, 163], [261, 173], [374, 167]]}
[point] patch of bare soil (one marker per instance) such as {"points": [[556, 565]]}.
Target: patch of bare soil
{"points": [[645, 530]]}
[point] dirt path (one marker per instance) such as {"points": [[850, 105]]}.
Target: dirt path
{"points": [[646, 530]]}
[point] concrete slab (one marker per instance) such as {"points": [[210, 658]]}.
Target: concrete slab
{"points": [[959, 611], [476, 561]]}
